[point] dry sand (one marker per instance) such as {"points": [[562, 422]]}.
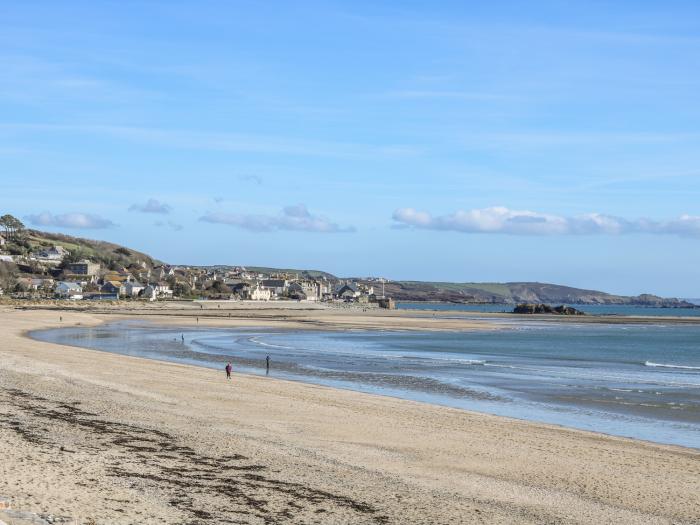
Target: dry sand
{"points": [[114, 439]]}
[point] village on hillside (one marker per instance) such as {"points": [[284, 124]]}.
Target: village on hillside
{"points": [[30, 271]]}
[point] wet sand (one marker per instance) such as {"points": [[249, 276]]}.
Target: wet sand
{"points": [[118, 439]]}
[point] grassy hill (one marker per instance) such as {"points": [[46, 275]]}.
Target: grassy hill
{"points": [[515, 292], [113, 256], [108, 254], [312, 274]]}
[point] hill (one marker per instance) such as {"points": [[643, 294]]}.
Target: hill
{"points": [[312, 274], [114, 256], [515, 292]]}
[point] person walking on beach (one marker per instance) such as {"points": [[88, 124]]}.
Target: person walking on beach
{"points": [[183, 337], [267, 365], [228, 370]]}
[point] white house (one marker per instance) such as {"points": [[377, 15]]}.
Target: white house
{"points": [[2, 240], [35, 283], [260, 294], [163, 289], [67, 290]]}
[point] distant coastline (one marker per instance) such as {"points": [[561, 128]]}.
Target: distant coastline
{"points": [[590, 309]]}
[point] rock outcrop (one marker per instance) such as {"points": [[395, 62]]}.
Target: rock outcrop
{"points": [[539, 308]]}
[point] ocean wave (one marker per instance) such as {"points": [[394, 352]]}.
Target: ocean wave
{"points": [[261, 343], [664, 365]]}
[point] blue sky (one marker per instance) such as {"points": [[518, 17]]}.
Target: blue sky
{"points": [[549, 141]]}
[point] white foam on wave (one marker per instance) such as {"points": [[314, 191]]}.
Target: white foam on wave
{"points": [[461, 361], [664, 365], [261, 343]]}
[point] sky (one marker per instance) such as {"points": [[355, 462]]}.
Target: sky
{"points": [[550, 141]]}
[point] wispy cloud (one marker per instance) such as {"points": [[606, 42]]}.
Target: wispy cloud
{"points": [[70, 220], [169, 224], [447, 94], [523, 222], [529, 139], [292, 218], [254, 179], [151, 206], [225, 142]]}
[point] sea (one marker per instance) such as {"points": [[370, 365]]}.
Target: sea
{"points": [[590, 309], [634, 380]]}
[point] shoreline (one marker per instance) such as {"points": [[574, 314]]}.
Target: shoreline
{"points": [[438, 399], [336, 316], [376, 455]]}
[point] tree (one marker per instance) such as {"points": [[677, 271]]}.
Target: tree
{"points": [[8, 276], [13, 227], [74, 256], [181, 289]]}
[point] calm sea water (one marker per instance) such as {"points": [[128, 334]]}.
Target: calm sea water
{"points": [[640, 381], [592, 309]]}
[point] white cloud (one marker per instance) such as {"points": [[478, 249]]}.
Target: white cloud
{"points": [[523, 222], [292, 218], [169, 224], [151, 206], [70, 220]]}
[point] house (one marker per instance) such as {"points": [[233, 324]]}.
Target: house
{"points": [[276, 286], [6, 258], [37, 283], [114, 287], [161, 272], [149, 293], [66, 290], [163, 289], [55, 253], [260, 294], [296, 291], [347, 292], [83, 267], [241, 289], [132, 289], [310, 290], [2, 241]]}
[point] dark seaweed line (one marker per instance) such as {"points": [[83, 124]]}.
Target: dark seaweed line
{"points": [[243, 487]]}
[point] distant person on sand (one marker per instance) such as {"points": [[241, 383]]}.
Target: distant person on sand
{"points": [[267, 365], [228, 370]]}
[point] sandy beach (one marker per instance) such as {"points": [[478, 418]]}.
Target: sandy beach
{"points": [[103, 438]]}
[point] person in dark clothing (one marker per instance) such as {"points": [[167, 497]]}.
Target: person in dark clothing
{"points": [[228, 370], [267, 365]]}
